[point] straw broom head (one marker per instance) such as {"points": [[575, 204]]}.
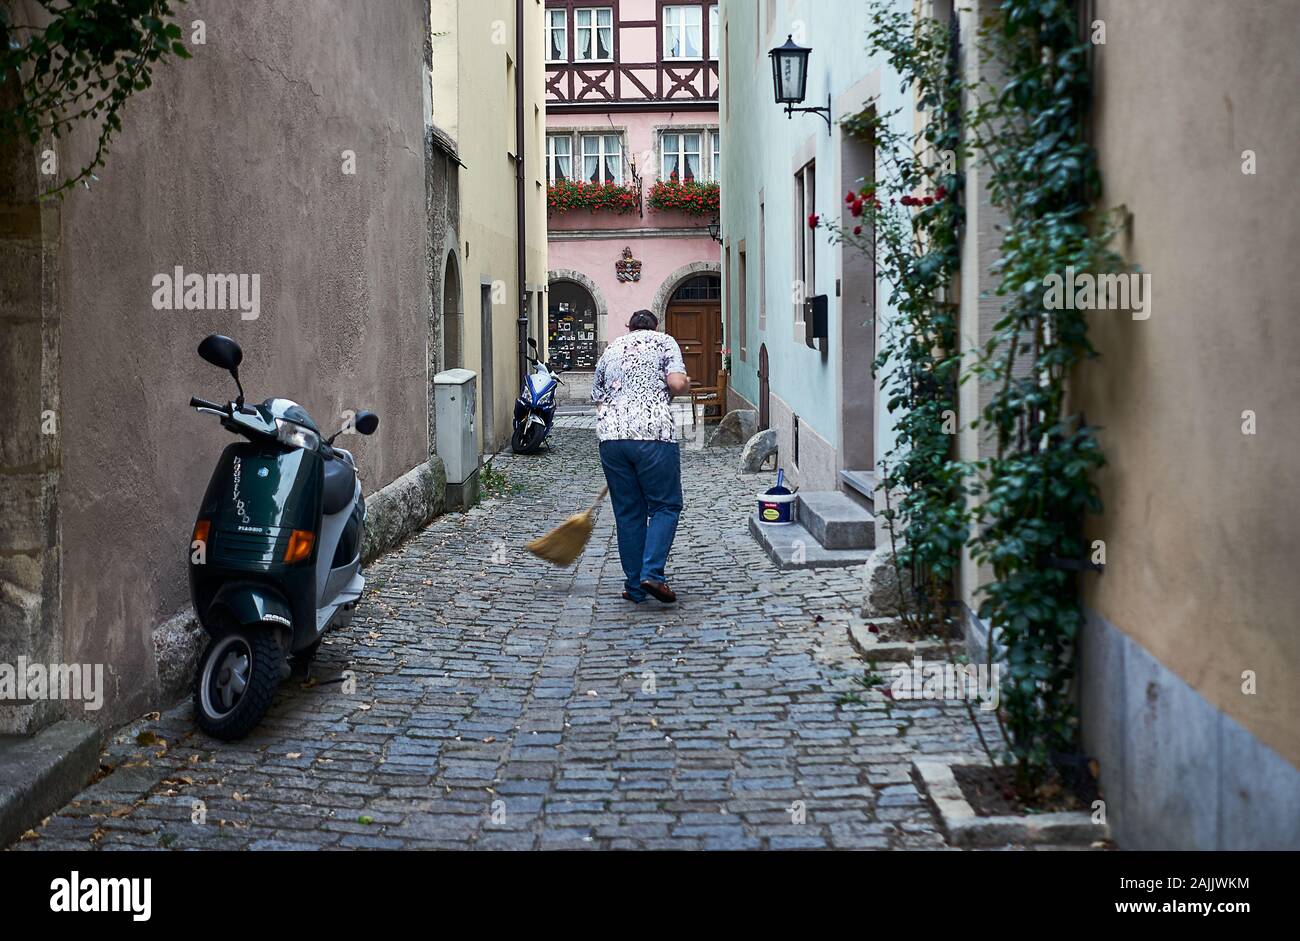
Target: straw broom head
{"points": [[565, 543]]}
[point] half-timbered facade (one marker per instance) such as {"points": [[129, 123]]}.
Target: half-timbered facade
{"points": [[632, 99]]}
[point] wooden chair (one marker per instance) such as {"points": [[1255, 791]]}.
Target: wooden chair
{"points": [[706, 397]]}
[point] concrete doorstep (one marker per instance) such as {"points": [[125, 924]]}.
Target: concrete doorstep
{"points": [[42, 772]]}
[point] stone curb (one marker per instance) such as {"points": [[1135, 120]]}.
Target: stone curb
{"points": [[43, 772], [964, 828], [871, 648], [404, 507]]}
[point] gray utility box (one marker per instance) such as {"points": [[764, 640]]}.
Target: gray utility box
{"points": [[455, 404]]}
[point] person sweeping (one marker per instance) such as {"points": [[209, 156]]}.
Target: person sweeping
{"points": [[636, 379], [633, 387]]}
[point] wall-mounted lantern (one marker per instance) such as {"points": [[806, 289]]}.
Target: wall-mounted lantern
{"points": [[790, 79], [715, 229]]}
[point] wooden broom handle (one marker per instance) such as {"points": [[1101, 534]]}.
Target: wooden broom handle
{"points": [[601, 496]]}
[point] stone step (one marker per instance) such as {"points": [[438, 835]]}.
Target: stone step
{"points": [[791, 546], [860, 486], [836, 521]]}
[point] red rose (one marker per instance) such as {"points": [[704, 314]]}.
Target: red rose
{"points": [[940, 193], [857, 230], [848, 198], [813, 220]]}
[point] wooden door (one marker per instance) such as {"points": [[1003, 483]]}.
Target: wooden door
{"points": [[697, 327]]}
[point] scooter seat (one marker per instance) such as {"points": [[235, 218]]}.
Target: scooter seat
{"points": [[340, 484]]}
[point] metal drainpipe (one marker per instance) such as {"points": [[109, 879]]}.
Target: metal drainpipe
{"points": [[520, 247]]}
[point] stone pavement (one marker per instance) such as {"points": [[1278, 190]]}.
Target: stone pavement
{"points": [[501, 703]]}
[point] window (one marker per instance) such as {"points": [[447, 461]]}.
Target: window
{"points": [[742, 315], [559, 157], [683, 29], [557, 36], [680, 152], [602, 159], [806, 202], [713, 31], [762, 262], [681, 156], [593, 34]]}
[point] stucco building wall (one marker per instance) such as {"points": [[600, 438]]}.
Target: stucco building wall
{"points": [[1199, 521], [233, 162]]}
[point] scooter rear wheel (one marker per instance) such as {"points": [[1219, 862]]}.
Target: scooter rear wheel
{"points": [[236, 681], [527, 438]]}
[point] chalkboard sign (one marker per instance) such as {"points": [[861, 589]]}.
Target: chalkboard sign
{"points": [[572, 341]]}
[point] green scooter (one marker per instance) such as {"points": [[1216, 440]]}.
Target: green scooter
{"points": [[275, 557]]}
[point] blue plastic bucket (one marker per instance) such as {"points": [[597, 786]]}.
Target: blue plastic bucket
{"points": [[775, 508]]}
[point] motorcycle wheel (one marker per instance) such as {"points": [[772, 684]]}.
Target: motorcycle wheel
{"points": [[527, 438], [236, 681]]}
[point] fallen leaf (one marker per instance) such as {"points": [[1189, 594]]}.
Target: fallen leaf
{"points": [[294, 754], [237, 796], [120, 811], [366, 821], [490, 738], [147, 738], [29, 835]]}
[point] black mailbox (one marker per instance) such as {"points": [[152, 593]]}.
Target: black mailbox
{"points": [[814, 320]]}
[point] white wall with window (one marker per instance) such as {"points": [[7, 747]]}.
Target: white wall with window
{"points": [[691, 154], [593, 34], [683, 32]]}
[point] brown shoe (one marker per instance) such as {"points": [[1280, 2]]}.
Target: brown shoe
{"points": [[660, 590], [628, 597]]}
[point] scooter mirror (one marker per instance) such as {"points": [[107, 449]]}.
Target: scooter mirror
{"points": [[532, 343], [222, 352], [366, 422]]}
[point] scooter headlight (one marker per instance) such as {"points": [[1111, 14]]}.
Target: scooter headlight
{"points": [[296, 436]]}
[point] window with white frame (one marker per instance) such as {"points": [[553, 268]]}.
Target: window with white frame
{"points": [[593, 34], [602, 158], [683, 32], [680, 156], [559, 157], [557, 36], [713, 31], [691, 154]]}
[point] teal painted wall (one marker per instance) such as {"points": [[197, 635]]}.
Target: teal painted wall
{"points": [[761, 149]]}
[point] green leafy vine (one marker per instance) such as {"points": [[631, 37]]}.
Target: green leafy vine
{"points": [[84, 61]]}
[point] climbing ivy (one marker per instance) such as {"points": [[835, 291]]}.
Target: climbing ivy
{"points": [[82, 61], [1019, 511], [914, 240], [1037, 487]]}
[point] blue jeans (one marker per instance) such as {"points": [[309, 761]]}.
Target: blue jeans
{"points": [[645, 486]]}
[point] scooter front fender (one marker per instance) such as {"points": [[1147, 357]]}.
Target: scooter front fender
{"points": [[249, 605]]}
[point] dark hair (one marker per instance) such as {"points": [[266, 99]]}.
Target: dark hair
{"points": [[643, 320]]}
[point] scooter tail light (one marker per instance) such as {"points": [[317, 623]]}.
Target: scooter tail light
{"points": [[300, 543], [201, 530]]}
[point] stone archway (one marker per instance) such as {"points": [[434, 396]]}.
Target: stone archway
{"points": [[659, 304], [590, 286]]}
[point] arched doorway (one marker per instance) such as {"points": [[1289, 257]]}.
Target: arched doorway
{"points": [[571, 330], [764, 390], [452, 348], [694, 318]]}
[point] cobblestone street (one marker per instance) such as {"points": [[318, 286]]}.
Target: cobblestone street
{"points": [[501, 703]]}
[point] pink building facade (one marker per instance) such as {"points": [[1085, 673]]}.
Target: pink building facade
{"points": [[632, 99]]}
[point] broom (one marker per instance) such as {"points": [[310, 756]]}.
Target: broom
{"points": [[565, 543]]}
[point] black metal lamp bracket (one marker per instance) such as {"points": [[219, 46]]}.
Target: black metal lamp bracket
{"points": [[824, 112]]}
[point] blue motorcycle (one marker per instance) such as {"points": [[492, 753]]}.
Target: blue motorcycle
{"points": [[535, 407]]}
